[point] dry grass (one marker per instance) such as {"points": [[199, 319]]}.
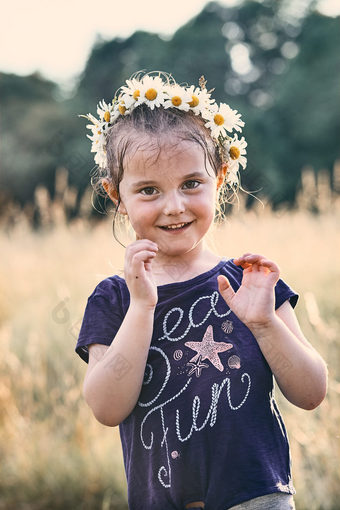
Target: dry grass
{"points": [[53, 452]]}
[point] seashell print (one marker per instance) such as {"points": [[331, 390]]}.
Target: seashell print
{"points": [[227, 327], [234, 362], [178, 355]]}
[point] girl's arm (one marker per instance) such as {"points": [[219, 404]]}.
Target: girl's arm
{"points": [[299, 370], [114, 378], [113, 384]]}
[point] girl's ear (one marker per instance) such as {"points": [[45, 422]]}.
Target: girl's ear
{"points": [[221, 174], [113, 194]]}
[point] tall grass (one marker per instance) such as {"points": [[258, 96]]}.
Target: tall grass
{"points": [[54, 454]]}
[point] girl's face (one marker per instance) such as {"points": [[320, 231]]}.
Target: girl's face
{"points": [[169, 187]]}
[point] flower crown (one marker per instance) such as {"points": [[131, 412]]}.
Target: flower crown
{"points": [[155, 92]]}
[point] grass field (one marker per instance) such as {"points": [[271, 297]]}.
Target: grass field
{"points": [[54, 454]]}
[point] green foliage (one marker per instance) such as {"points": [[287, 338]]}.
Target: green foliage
{"points": [[310, 94], [30, 123], [111, 63]]}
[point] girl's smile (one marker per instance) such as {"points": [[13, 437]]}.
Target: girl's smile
{"points": [[176, 228]]}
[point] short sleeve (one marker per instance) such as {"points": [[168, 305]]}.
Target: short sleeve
{"points": [[284, 292], [102, 318]]}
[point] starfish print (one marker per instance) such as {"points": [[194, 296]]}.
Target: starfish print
{"points": [[197, 368], [209, 349]]}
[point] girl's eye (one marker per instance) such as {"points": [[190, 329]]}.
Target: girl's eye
{"points": [[192, 182], [146, 190]]}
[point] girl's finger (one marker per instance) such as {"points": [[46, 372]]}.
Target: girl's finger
{"points": [[256, 261], [144, 254], [142, 244], [244, 265], [250, 259], [252, 256], [131, 254], [270, 265], [141, 256], [246, 257]]}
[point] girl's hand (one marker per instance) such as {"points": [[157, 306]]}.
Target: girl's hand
{"points": [[254, 301], [138, 273]]}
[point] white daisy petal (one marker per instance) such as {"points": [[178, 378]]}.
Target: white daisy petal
{"points": [[132, 89], [232, 176], [104, 111], [178, 98], [237, 152], [200, 100], [91, 118], [100, 159], [223, 118], [152, 92], [124, 104]]}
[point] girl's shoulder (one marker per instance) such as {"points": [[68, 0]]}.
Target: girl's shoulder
{"points": [[112, 288], [106, 286]]}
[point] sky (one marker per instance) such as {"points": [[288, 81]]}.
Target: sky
{"points": [[55, 37]]}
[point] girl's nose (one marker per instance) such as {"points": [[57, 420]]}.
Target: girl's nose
{"points": [[174, 203]]}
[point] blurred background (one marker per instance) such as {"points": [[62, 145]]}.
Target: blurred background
{"points": [[278, 63]]}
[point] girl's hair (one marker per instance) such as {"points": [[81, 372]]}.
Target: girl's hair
{"points": [[126, 135]]}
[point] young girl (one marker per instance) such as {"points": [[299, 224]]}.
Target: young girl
{"points": [[182, 352]]}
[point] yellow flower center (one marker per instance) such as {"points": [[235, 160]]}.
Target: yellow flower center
{"points": [[122, 109], [99, 132], [219, 119], [194, 101], [234, 152], [107, 116], [176, 101], [136, 94], [151, 94]]}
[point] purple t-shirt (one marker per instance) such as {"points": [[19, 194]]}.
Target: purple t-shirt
{"points": [[206, 426]]}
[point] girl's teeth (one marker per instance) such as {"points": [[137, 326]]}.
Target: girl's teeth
{"points": [[176, 226]]}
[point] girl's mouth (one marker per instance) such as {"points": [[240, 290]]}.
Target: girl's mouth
{"points": [[176, 228]]}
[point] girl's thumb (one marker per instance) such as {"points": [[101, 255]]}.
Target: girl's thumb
{"points": [[225, 288]]}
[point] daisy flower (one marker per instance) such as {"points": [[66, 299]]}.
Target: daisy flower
{"points": [[237, 152], [98, 138], [105, 112], [151, 92], [178, 98], [98, 128], [125, 101], [199, 100], [132, 89], [222, 118]]}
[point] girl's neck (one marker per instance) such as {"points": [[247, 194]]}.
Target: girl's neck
{"points": [[176, 269]]}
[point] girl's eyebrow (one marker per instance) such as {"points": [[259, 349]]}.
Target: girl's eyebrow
{"points": [[185, 177]]}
